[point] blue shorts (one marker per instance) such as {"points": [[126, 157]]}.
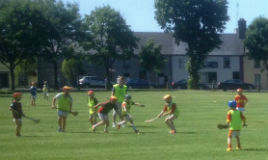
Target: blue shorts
{"points": [[62, 113]]}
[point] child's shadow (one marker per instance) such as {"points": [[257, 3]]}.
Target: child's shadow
{"points": [[256, 149]]}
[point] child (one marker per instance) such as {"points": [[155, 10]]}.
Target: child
{"points": [[119, 91], [17, 112], [92, 101], [241, 100], [171, 111], [45, 90], [64, 106], [103, 111], [33, 93], [126, 105], [234, 120]]}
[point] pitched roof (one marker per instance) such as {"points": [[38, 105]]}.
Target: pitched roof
{"points": [[231, 44]]}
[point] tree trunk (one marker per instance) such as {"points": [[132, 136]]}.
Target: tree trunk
{"points": [[193, 69], [12, 75], [56, 85]]}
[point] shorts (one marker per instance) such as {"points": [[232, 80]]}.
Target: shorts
{"points": [[45, 93], [19, 119], [118, 108], [103, 116], [171, 117], [62, 113], [93, 115], [33, 97], [233, 133], [127, 117], [241, 109]]}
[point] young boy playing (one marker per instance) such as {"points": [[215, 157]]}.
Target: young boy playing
{"points": [[33, 92], [126, 105], [64, 106], [171, 111], [119, 91], [241, 100], [45, 90], [103, 111], [234, 121], [92, 101], [17, 112]]}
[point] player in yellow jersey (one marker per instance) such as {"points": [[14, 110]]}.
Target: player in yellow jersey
{"points": [[126, 105], [64, 106], [234, 119], [92, 101], [119, 91]]}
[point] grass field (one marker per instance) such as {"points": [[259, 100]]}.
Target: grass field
{"points": [[197, 137]]}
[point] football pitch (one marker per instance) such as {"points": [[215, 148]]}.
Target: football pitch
{"points": [[197, 137]]}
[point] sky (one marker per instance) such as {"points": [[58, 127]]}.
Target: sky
{"points": [[139, 14]]}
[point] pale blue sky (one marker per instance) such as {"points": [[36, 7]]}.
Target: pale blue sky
{"points": [[139, 14]]}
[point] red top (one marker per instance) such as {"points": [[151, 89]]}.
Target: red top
{"points": [[241, 101], [106, 107]]}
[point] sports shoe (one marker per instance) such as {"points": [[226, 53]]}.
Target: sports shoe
{"points": [[238, 148], [59, 130], [172, 131], [118, 126], [93, 129], [114, 125], [137, 131], [228, 149]]}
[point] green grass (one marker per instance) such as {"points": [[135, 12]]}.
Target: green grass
{"points": [[197, 137]]}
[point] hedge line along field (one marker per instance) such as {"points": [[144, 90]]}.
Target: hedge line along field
{"points": [[197, 137]]}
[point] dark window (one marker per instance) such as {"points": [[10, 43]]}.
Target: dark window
{"points": [[142, 74], [181, 63], [236, 75], [257, 65], [226, 62], [212, 77], [211, 64], [3, 80]]}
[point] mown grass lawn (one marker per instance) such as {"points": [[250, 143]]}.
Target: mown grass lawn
{"points": [[197, 137]]}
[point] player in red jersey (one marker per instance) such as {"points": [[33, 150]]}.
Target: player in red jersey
{"points": [[240, 100]]}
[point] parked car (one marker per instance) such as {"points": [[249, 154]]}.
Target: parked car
{"points": [[91, 81], [234, 84], [182, 84], [137, 83]]}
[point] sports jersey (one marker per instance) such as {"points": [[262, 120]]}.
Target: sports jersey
{"points": [[171, 107], [18, 109], [45, 88], [63, 102], [240, 101], [33, 91], [120, 92], [91, 103], [235, 118], [126, 105], [106, 107]]}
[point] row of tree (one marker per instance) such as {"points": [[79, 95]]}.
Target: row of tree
{"points": [[54, 30]]}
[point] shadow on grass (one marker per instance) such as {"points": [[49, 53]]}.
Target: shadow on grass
{"points": [[256, 149], [83, 132], [186, 132], [146, 126], [34, 136]]}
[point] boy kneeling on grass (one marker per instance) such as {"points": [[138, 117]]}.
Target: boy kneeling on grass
{"points": [[103, 111], [126, 105], [234, 121], [17, 112]]}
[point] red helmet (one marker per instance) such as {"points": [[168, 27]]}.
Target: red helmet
{"points": [[17, 95], [239, 90], [66, 88], [113, 99], [90, 92]]}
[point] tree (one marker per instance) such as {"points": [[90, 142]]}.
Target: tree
{"points": [[197, 23], [256, 42], [22, 28], [150, 57], [112, 38], [64, 26], [71, 69]]}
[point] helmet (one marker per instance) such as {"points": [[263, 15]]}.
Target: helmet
{"points": [[167, 96], [113, 98], [239, 90], [16, 94], [232, 104], [90, 92], [66, 88], [128, 96]]}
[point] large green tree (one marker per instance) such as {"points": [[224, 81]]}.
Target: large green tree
{"points": [[150, 57], [112, 38], [64, 26], [22, 29], [197, 23], [256, 42]]}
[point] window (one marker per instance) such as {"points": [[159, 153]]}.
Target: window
{"points": [[212, 77], [236, 75], [257, 65], [257, 80], [211, 64], [181, 63], [226, 62]]}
